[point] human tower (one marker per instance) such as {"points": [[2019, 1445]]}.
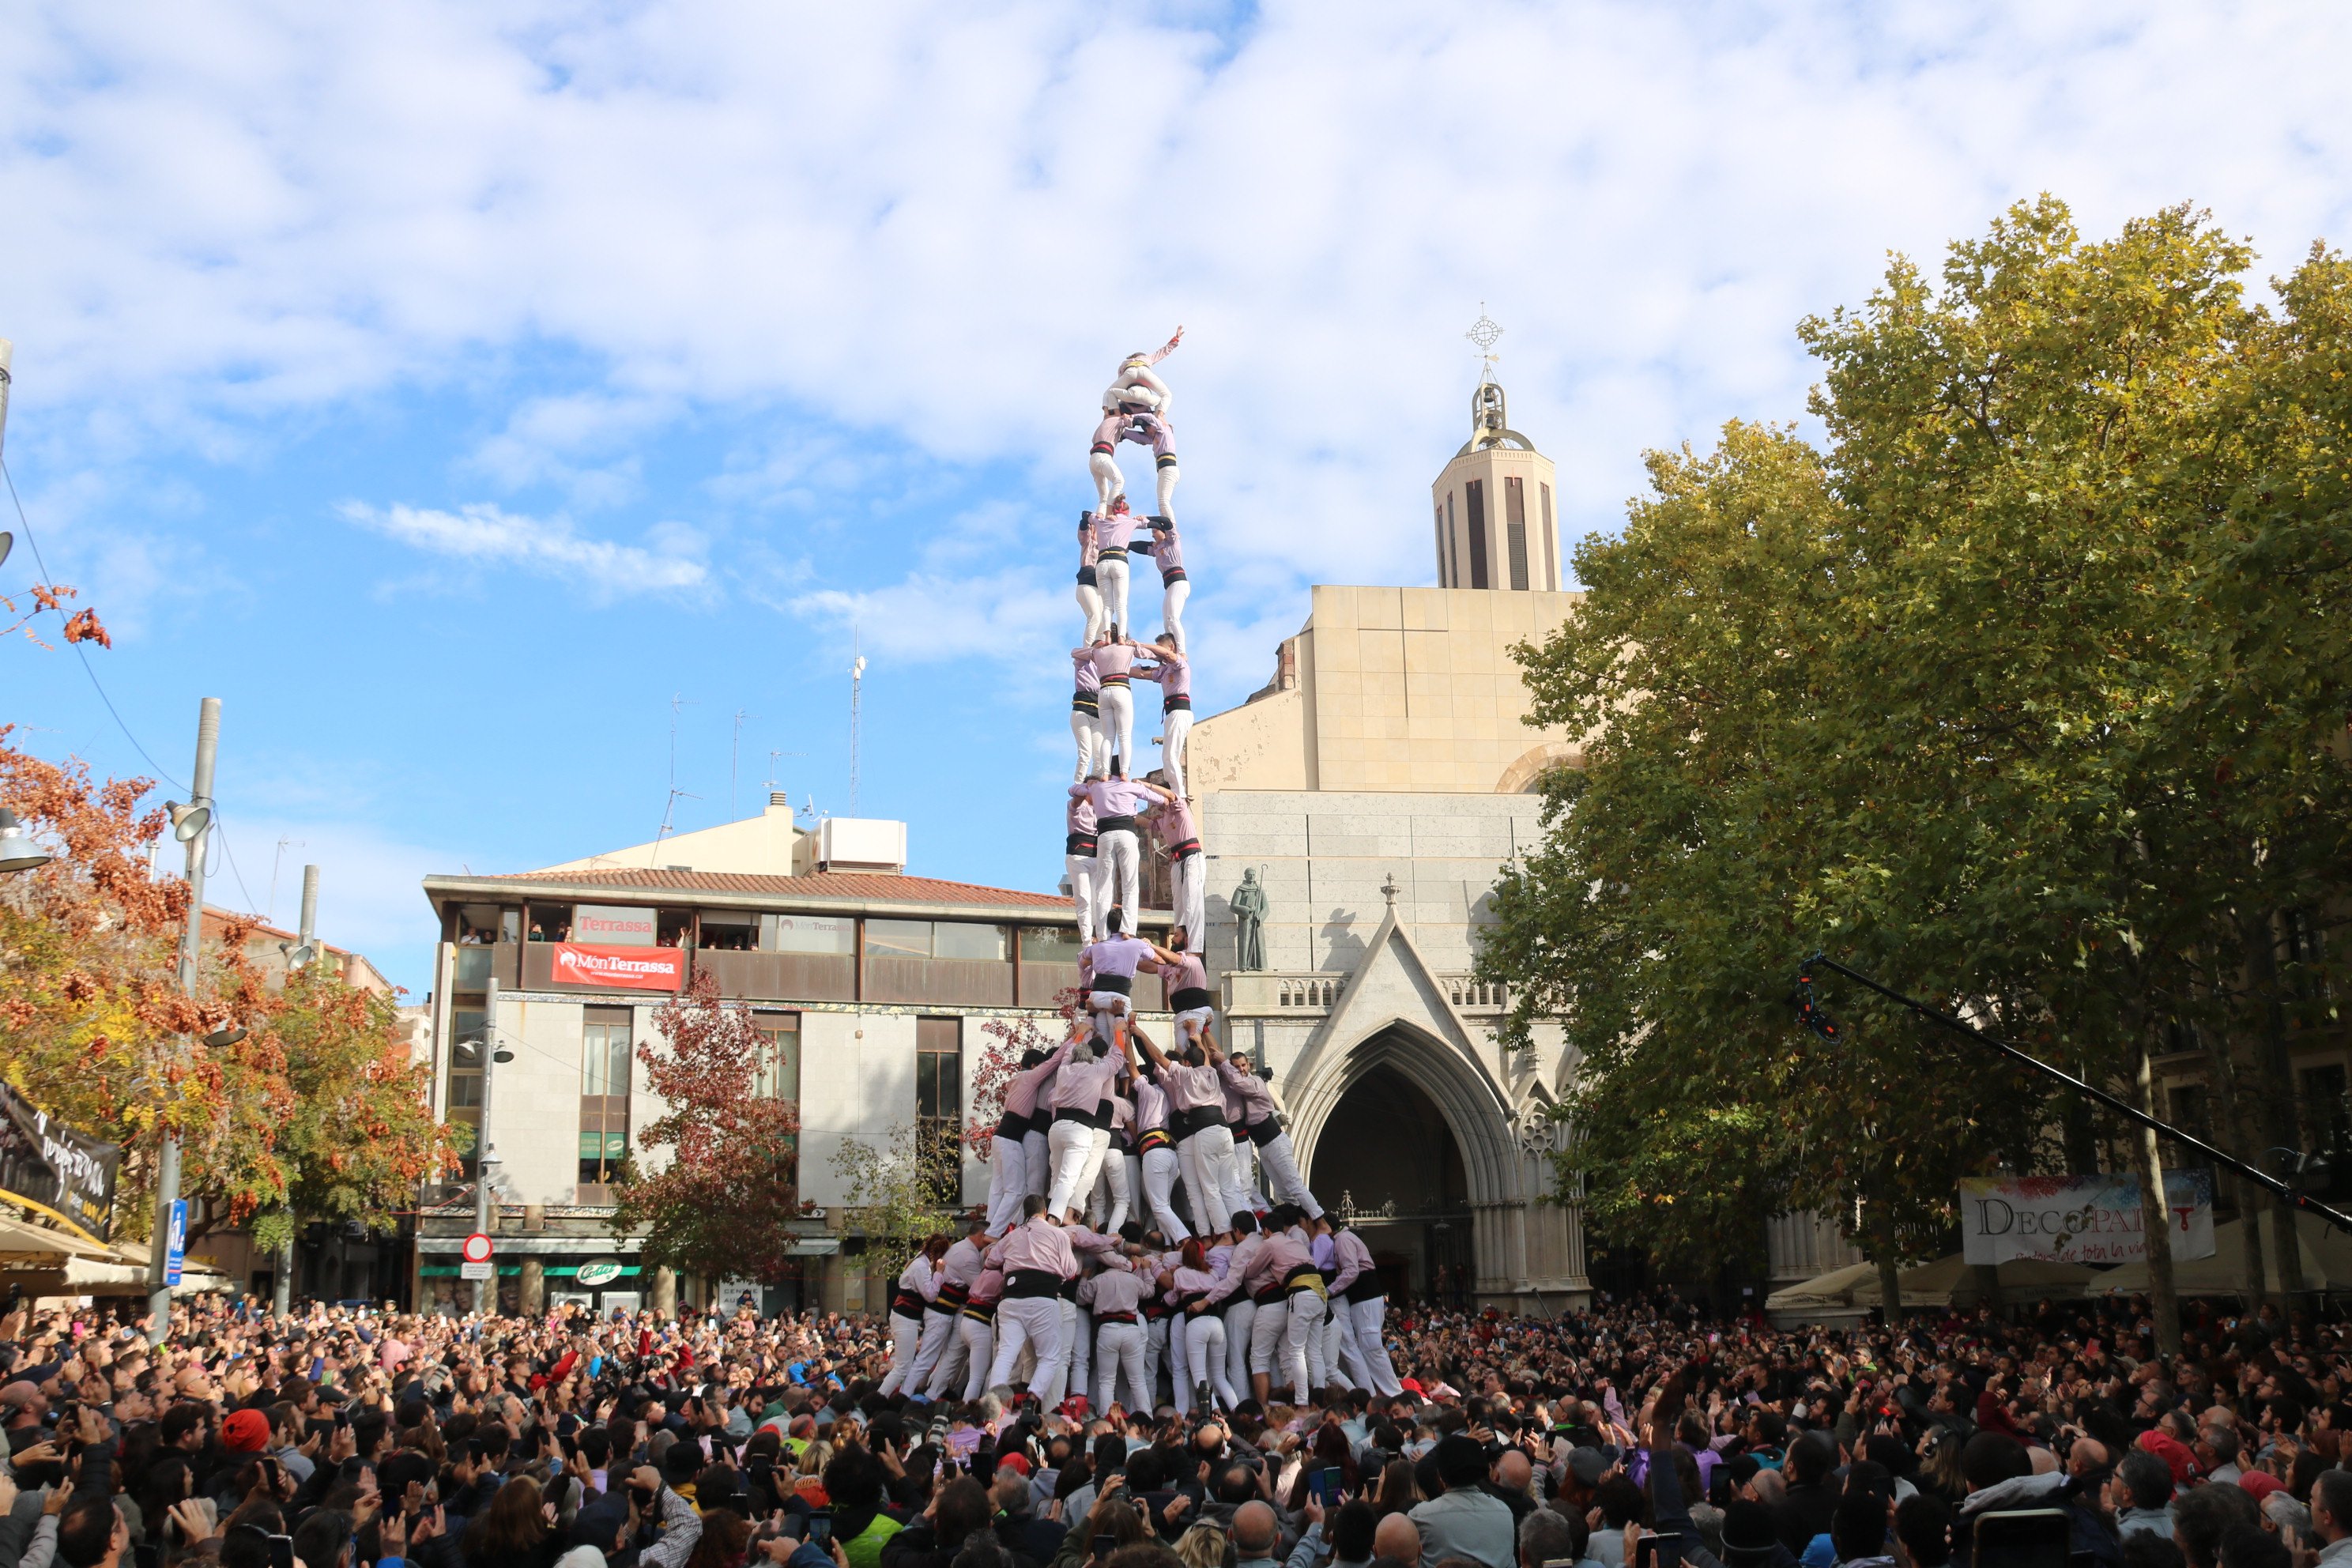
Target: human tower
{"points": [[1084, 1257]]}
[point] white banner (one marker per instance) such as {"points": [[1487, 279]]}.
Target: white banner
{"points": [[2079, 1219]]}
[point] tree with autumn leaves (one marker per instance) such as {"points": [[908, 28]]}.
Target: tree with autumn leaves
{"points": [[719, 1203], [2025, 691], [318, 1112]]}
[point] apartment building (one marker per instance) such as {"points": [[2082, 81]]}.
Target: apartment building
{"points": [[873, 985]]}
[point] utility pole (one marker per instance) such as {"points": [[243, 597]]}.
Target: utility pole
{"points": [[167, 1157], [486, 1292], [282, 1298]]}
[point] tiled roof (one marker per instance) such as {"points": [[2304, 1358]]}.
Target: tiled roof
{"points": [[857, 887]]}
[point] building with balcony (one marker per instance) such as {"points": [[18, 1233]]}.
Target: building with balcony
{"points": [[874, 986]]}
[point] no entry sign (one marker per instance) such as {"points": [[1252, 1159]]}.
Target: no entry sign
{"points": [[478, 1248]]}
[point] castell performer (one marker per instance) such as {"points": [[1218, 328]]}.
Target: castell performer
{"points": [[1196, 1118], [1113, 659], [1358, 1308], [1175, 587], [1172, 823], [1174, 672], [1036, 1258], [1263, 1126], [1155, 1147], [908, 1303], [1086, 711], [1008, 1153], [1082, 861], [1112, 528], [1136, 407], [938, 1359], [1117, 868], [1080, 1100], [1090, 600]]}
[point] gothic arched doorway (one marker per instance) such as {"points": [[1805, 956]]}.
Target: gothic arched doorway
{"points": [[1386, 1152]]}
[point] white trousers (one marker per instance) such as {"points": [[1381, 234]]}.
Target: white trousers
{"points": [[1119, 1359], [1207, 1158], [1085, 730], [1302, 1343], [1171, 608], [905, 1336], [979, 1353], [1027, 1320], [1160, 1172], [1188, 881], [1008, 1183], [1077, 1353], [1078, 1152], [1119, 728], [947, 1371], [1117, 875], [1280, 1165], [939, 1328], [1109, 1200], [1085, 890], [1241, 1186], [1240, 1319], [1036, 1164], [1204, 1345], [1110, 577], [1371, 1346], [1090, 602], [1340, 1348], [1174, 726]]}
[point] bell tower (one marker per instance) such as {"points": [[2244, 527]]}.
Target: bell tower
{"points": [[1496, 521]]}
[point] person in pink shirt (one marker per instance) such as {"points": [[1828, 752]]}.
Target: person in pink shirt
{"points": [[1188, 879], [1112, 528], [1081, 1099], [1262, 1123], [1174, 672], [1090, 591], [1085, 709], [1008, 1150], [1196, 1119], [1136, 408], [1035, 1260], [1112, 658], [1189, 1285], [1118, 865], [1175, 587], [1082, 862], [1156, 1155]]}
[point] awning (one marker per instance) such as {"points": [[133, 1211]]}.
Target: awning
{"points": [[542, 1244], [20, 1238], [1946, 1282]]}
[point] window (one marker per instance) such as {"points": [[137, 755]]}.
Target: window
{"points": [[897, 939], [1439, 512], [829, 935], [1476, 506], [1452, 544], [465, 1056], [730, 933], [1551, 563], [939, 1106], [606, 1038], [605, 1053], [1515, 516], [936, 939], [779, 1076], [1049, 944]]}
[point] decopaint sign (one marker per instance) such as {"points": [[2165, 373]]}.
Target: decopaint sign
{"points": [[612, 926], [2096, 1220]]}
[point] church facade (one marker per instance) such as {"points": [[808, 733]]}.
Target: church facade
{"points": [[1368, 798]]}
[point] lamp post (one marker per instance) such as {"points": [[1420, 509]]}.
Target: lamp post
{"points": [[188, 825], [281, 1289], [486, 1292]]}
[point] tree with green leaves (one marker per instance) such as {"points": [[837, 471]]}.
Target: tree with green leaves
{"points": [[1957, 697]]}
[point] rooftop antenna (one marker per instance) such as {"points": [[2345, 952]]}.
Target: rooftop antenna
{"points": [[1484, 333], [271, 914], [733, 747], [856, 682], [772, 765], [677, 701]]}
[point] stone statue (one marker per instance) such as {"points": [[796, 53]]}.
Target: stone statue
{"points": [[1249, 907]]}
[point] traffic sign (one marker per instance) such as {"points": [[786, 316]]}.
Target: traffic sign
{"points": [[469, 1270], [476, 1250]]}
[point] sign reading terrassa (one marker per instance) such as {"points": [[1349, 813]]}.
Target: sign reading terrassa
{"points": [[619, 968]]}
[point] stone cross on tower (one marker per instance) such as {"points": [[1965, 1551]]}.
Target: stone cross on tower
{"points": [[1389, 889]]}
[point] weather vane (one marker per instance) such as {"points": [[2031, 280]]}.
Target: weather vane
{"points": [[1484, 333]]}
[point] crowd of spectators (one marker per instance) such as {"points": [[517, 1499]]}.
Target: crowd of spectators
{"points": [[1639, 1434]]}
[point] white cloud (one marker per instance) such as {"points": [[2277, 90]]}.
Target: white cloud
{"points": [[940, 225], [481, 532]]}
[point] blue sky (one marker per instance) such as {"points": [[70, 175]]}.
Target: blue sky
{"points": [[446, 387]]}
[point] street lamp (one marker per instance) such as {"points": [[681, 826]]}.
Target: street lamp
{"points": [[226, 1035], [18, 850]]}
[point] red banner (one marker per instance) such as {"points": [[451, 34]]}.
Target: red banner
{"points": [[619, 968]]}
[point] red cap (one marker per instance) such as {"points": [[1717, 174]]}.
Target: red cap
{"points": [[245, 1432], [1018, 1464], [2261, 1483]]}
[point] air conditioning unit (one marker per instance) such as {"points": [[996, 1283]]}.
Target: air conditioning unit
{"points": [[861, 844]]}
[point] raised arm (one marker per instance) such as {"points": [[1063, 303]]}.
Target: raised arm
{"points": [[1164, 349], [1151, 1052]]}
